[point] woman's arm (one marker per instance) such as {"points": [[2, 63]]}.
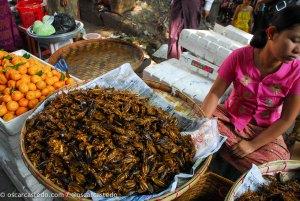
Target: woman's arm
{"points": [[290, 111], [211, 100]]}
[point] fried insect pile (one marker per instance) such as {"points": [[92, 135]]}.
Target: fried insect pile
{"points": [[107, 141], [275, 191]]}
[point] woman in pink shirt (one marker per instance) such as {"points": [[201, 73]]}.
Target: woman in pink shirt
{"points": [[265, 99]]}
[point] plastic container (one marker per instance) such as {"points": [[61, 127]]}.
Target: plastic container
{"points": [[30, 11], [91, 36], [14, 126]]}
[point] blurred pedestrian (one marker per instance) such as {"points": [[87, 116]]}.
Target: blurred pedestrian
{"points": [[242, 17], [10, 39], [64, 6]]}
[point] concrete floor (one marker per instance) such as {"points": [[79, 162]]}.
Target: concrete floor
{"points": [[6, 187]]}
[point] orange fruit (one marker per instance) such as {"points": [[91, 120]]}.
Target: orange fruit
{"points": [[32, 103], [55, 79], [9, 72], [38, 94], [15, 76], [51, 89], [45, 91], [11, 83], [56, 73], [22, 69], [58, 84], [6, 98], [12, 105], [23, 87], [16, 95], [35, 78], [19, 82], [30, 95], [2, 87], [7, 90], [3, 79], [32, 70], [26, 78], [49, 74], [43, 76], [31, 86], [41, 84], [23, 102], [49, 80], [8, 116], [70, 81], [42, 98], [3, 110], [21, 110]]}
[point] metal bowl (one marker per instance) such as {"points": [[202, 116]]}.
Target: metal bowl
{"points": [[56, 37]]}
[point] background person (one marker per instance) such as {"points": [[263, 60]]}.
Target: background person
{"points": [[242, 18], [10, 39], [265, 99]]}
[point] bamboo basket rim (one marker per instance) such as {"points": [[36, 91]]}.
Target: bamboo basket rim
{"points": [[265, 169], [63, 50], [166, 197], [207, 184]]}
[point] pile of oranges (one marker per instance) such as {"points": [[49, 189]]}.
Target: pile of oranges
{"points": [[24, 82]]}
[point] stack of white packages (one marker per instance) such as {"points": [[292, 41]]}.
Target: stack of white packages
{"points": [[208, 45], [237, 34], [199, 66], [179, 75]]}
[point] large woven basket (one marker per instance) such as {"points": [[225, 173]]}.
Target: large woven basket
{"points": [[187, 103], [270, 168], [210, 187], [89, 59]]}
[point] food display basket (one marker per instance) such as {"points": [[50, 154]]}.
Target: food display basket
{"points": [[89, 59], [186, 104], [270, 168], [210, 187]]}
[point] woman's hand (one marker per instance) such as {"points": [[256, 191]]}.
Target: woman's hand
{"points": [[243, 148]]}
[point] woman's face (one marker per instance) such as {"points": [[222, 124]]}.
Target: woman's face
{"points": [[285, 46]]}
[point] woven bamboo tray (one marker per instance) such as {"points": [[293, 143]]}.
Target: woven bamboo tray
{"points": [[210, 187], [270, 168], [188, 104], [89, 59]]}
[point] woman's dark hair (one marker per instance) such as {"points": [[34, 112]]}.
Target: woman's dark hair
{"points": [[283, 20]]}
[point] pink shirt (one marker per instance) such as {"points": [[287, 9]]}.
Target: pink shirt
{"points": [[254, 97]]}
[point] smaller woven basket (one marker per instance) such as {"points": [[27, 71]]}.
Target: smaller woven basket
{"points": [[187, 103], [89, 59], [270, 168], [210, 187]]}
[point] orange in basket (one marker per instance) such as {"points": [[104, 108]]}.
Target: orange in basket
{"points": [[24, 83]]}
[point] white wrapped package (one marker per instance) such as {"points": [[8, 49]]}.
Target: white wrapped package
{"points": [[196, 87], [124, 78], [212, 47], [222, 54], [187, 39], [237, 34], [226, 42], [168, 72], [202, 67], [219, 28], [210, 57]]}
